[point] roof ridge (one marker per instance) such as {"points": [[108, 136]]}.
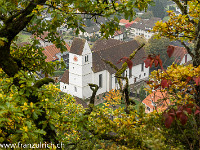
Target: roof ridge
{"points": [[111, 46]]}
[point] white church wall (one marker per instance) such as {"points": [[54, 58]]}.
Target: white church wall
{"points": [[103, 88], [75, 66], [75, 90]]}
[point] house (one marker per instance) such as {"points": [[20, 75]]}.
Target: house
{"points": [[53, 53], [118, 35], [90, 31], [181, 55], [86, 66], [154, 101], [123, 22], [143, 27]]}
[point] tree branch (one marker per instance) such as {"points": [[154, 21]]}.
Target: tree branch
{"points": [[94, 89], [43, 81], [188, 49], [184, 9]]}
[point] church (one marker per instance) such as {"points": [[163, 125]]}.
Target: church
{"points": [[86, 66]]}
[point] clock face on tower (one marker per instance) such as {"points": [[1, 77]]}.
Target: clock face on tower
{"points": [[75, 58]]}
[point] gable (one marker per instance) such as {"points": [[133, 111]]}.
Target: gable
{"points": [[77, 46], [65, 77]]}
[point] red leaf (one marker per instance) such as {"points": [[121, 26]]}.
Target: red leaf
{"points": [[157, 86], [189, 110], [127, 60], [156, 62], [147, 62], [188, 79], [183, 118], [196, 112], [170, 50], [130, 63], [197, 80], [164, 83], [168, 121], [160, 63], [178, 114], [122, 59]]}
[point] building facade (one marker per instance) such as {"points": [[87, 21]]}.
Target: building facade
{"points": [[86, 66]]}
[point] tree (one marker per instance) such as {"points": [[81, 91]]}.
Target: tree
{"points": [[184, 27], [158, 10], [159, 46], [31, 108], [147, 15]]}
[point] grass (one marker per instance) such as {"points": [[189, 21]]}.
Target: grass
{"points": [[58, 73], [24, 37]]}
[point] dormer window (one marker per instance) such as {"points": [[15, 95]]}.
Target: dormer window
{"points": [[86, 58]]}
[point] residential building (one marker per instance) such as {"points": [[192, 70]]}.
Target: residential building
{"points": [[143, 27], [181, 55], [155, 101], [86, 66], [53, 53], [118, 35]]}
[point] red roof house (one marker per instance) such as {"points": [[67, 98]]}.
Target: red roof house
{"points": [[156, 101]]}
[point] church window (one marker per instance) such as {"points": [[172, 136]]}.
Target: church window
{"points": [[100, 80], [75, 89], [135, 80], [86, 58], [142, 67]]}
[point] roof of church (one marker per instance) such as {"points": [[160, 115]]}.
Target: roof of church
{"points": [[114, 54], [77, 46], [65, 77], [103, 43]]}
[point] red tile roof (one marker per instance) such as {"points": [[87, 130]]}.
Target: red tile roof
{"points": [[124, 21], [117, 33], [157, 98], [51, 51], [127, 23], [179, 53]]}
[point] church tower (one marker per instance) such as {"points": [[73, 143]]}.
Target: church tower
{"points": [[80, 68]]}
